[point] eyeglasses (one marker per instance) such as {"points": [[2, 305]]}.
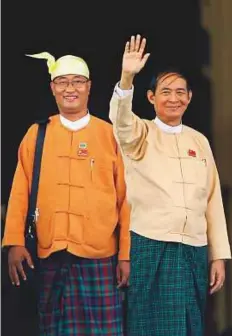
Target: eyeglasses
{"points": [[64, 84]]}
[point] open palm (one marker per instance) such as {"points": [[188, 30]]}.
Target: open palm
{"points": [[133, 57]]}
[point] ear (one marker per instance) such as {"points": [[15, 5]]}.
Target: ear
{"points": [[151, 97], [89, 85], [190, 94], [52, 86]]}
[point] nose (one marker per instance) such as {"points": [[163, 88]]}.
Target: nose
{"points": [[173, 97], [70, 87]]}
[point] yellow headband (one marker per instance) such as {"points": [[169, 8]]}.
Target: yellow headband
{"points": [[66, 65]]}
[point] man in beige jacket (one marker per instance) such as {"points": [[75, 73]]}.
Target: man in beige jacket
{"points": [[178, 226]]}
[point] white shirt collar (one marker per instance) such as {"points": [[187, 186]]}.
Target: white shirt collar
{"points": [[166, 128], [75, 125]]}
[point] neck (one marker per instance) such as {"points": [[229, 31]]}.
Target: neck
{"points": [[74, 116]]}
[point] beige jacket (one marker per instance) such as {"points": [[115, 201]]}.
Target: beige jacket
{"points": [[172, 182]]}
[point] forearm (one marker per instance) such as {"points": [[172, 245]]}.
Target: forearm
{"points": [[17, 209], [126, 81], [124, 233], [121, 114], [123, 210], [15, 222], [129, 130], [124, 239], [219, 246]]}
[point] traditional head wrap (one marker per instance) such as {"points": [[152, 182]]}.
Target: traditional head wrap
{"points": [[66, 65]]}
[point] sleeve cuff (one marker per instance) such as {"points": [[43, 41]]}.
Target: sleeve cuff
{"points": [[216, 255], [122, 93], [124, 249], [124, 255], [13, 240]]}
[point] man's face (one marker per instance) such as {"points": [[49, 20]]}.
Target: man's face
{"points": [[171, 98], [71, 93]]}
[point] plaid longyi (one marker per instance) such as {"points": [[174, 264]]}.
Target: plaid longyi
{"points": [[78, 296], [168, 288]]}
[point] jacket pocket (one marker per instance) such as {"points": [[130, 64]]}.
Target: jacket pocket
{"points": [[101, 174], [45, 230], [201, 172], [194, 171]]}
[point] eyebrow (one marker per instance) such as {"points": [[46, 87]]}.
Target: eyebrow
{"points": [[76, 77], [60, 78], [168, 89], [79, 77]]}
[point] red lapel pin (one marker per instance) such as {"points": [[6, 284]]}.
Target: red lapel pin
{"points": [[82, 152], [192, 153]]}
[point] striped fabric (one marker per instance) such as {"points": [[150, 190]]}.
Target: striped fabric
{"points": [[79, 297], [168, 288]]}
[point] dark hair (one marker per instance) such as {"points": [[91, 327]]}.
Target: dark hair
{"points": [[166, 72]]}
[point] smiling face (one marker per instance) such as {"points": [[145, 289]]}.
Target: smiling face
{"points": [[71, 93], [170, 98]]}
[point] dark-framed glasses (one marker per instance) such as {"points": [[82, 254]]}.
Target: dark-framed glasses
{"points": [[63, 84]]}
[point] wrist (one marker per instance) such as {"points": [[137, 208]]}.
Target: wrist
{"points": [[126, 81], [216, 260]]}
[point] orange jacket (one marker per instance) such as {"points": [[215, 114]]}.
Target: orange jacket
{"points": [[81, 196]]}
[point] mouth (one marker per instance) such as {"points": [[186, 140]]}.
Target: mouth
{"points": [[70, 98], [173, 108]]}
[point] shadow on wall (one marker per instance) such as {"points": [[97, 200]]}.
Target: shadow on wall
{"points": [[227, 332]]}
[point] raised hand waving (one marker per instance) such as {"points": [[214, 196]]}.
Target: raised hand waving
{"points": [[134, 58]]}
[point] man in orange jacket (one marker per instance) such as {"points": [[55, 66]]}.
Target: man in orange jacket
{"points": [[81, 201]]}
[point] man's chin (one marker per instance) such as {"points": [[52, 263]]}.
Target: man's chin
{"points": [[71, 109], [174, 115]]}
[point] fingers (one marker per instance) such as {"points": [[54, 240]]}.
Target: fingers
{"points": [[15, 261], [135, 45], [29, 260], [20, 270], [122, 275], [14, 275], [118, 275], [127, 47], [123, 282], [212, 277], [132, 44], [216, 280], [144, 59], [14, 271], [142, 45], [11, 275], [217, 285]]}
